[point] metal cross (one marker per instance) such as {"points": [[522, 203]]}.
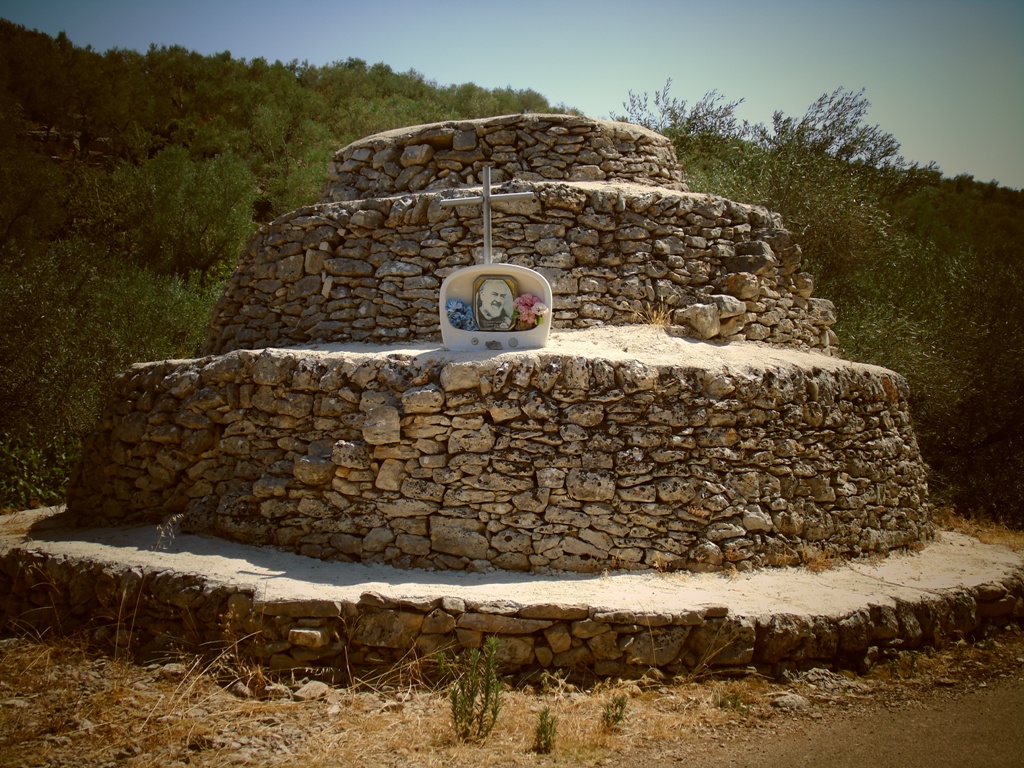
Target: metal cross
{"points": [[486, 198]]}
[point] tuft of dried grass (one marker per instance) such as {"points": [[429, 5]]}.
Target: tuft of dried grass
{"points": [[653, 313], [984, 530]]}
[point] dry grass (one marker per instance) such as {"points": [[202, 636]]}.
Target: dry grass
{"points": [[985, 531], [818, 560], [61, 704], [653, 313]]}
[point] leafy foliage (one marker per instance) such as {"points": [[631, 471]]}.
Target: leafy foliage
{"points": [[475, 691], [128, 185], [31, 476], [614, 712], [545, 733]]}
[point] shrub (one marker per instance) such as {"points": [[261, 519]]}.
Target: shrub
{"points": [[614, 712], [544, 735], [475, 692]]}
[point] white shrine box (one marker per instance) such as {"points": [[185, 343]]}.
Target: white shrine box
{"points": [[497, 307]]}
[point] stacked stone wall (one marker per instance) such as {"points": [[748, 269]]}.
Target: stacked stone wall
{"points": [[525, 147], [519, 462], [154, 614], [371, 270]]}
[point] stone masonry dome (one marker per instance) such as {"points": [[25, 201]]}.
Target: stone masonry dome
{"points": [[524, 147], [620, 241], [689, 412]]}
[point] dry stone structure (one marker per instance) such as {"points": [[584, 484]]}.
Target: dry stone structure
{"points": [[293, 431], [171, 611], [610, 226]]}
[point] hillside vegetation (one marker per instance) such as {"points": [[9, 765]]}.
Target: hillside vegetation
{"points": [[129, 183], [925, 271]]}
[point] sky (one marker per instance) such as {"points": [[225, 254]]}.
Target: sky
{"points": [[945, 78]]}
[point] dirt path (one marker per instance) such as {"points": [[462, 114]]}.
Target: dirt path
{"points": [[981, 727]]}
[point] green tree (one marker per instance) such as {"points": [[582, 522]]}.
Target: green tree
{"points": [[187, 218], [923, 269]]}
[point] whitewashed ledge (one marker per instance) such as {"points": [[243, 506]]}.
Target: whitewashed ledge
{"points": [[295, 611]]}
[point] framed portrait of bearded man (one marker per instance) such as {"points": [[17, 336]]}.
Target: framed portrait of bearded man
{"points": [[493, 306]]}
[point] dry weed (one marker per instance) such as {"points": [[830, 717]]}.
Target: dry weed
{"points": [[653, 313], [819, 560], [63, 705], [985, 531]]}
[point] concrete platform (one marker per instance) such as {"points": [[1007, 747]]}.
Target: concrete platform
{"points": [[952, 585]]}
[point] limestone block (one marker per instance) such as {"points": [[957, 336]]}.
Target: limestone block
{"points": [[387, 629], [390, 475], [552, 478], [533, 500], [272, 367], [413, 488], [558, 637], [310, 637], [582, 551], [590, 484], [754, 256], [655, 648], [300, 608], [366, 218], [413, 545], [682, 490], [438, 622], [406, 508], [605, 647], [378, 539], [512, 541], [823, 312], [781, 637], [803, 284], [742, 285], [587, 628], [456, 377], [426, 399], [705, 554], [314, 470], [704, 319], [382, 425], [728, 641], [496, 624], [514, 651], [354, 455], [729, 306], [347, 544], [462, 538], [756, 520], [471, 441], [348, 268]]}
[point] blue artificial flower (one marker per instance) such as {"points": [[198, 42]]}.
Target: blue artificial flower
{"points": [[459, 315]]}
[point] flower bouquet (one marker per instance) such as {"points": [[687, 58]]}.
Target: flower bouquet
{"points": [[460, 315], [530, 311]]}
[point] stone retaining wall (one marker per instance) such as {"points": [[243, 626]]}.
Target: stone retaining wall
{"points": [[371, 270], [523, 461], [526, 147], [154, 613]]}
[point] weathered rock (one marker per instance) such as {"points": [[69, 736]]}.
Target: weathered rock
{"points": [[462, 538], [387, 629]]}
